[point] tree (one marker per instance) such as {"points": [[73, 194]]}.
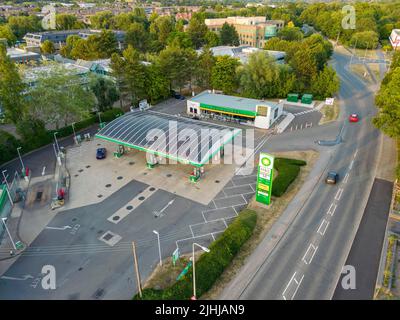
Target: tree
{"points": [[197, 31], [157, 85], [161, 27], [20, 25], [33, 132], [212, 39], [388, 102], [262, 77], [290, 34], [204, 70], [11, 88], [7, 33], [48, 47], [59, 97], [101, 20], [229, 35], [325, 84], [105, 91], [365, 39], [223, 74], [8, 146], [137, 36], [130, 74], [104, 44], [67, 22], [180, 39]]}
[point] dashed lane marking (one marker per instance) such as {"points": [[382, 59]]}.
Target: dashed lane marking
{"points": [[310, 253], [332, 209], [338, 194], [322, 227]]}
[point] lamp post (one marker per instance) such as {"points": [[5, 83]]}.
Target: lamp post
{"points": [[55, 151], [20, 158], [73, 129], [194, 266], [159, 246], [8, 232], [98, 113], [55, 139]]}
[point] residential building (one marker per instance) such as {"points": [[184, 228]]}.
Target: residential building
{"points": [[395, 39], [252, 31], [59, 38]]}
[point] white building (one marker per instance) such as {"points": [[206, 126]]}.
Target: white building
{"points": [[258, 113]]}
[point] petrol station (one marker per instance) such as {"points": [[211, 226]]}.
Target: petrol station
{"points": [[167, 137]]}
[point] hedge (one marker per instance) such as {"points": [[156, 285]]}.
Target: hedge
{"points": [[288, 170], [9, 144], [211, 265]]}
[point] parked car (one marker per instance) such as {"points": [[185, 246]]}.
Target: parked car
{"points": [[101, 153], [353, 117], [177, 95], [332, 177]]}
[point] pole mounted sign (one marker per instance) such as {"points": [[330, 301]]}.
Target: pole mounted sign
{"points": [[264, 178]]}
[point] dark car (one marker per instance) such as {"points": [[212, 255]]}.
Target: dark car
{"points": [[101, 153], [332, 177], [177, 95]]}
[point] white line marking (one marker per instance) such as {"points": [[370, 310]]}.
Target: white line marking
{"points": [[355, 154], [346, 177], [59, 228], [290, 281], [298, 283], [339, 194], [351, 164], [314, 250], [44, 170], [298, 286], [332, 209], [322, 227]]}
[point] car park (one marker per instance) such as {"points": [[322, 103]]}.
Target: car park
{"points": [[332, 177]]}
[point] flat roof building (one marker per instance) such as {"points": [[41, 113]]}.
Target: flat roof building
{"points": [[259, 113], [59, 38], [22, 56], [253, 31]]}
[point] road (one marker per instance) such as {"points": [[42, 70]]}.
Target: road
{"points": [[307, 261]]}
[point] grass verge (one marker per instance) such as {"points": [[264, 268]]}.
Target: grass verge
{"points": [[329, 113]]}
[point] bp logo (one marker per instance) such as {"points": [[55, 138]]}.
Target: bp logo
{"points": [[266, 161]]}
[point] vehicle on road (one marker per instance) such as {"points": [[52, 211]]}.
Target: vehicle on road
{"points": [[353, 117], [332, 177], [101, 153]]}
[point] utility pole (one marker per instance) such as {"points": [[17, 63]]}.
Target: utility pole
{"points": [[137, 269]]}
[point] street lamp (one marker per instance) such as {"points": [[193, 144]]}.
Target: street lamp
{"points": [[8, 232], [159, 245], [99, 117], [55, 139], [73, 129], [20, 159], [194, 267], [55, 151]]}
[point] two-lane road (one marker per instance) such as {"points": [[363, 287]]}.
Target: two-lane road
{"points": [[307, 261]]}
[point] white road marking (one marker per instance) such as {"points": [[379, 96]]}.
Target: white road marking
{"points": [[23, 278], [298, 283], [355, 154], [346, 177], [59, 228], [338, 194], [332, 209], [311, 248], [322, 227], [44, 170], [351, 164]]}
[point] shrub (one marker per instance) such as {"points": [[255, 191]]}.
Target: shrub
{"points": [[8, 146], [211, 265], [288, 170]]}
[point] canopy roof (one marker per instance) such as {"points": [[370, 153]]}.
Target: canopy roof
{"points": [[185, 140]]}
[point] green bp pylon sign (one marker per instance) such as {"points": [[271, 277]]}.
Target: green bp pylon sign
{"points": [[264, 178]]}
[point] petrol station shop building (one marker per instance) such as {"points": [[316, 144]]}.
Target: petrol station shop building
{"points": [[258, 113]]}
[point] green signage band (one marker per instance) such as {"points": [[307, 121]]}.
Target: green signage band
{"points": [[264, 178]]}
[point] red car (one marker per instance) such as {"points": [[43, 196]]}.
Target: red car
{"points": [[353, 117]]}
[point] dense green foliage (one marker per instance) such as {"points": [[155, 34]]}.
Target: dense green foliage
{"points": [[211, 265], [288, 170], [388, 101]]}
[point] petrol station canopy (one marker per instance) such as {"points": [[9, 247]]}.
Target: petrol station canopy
{"points": [[186, 140]]}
